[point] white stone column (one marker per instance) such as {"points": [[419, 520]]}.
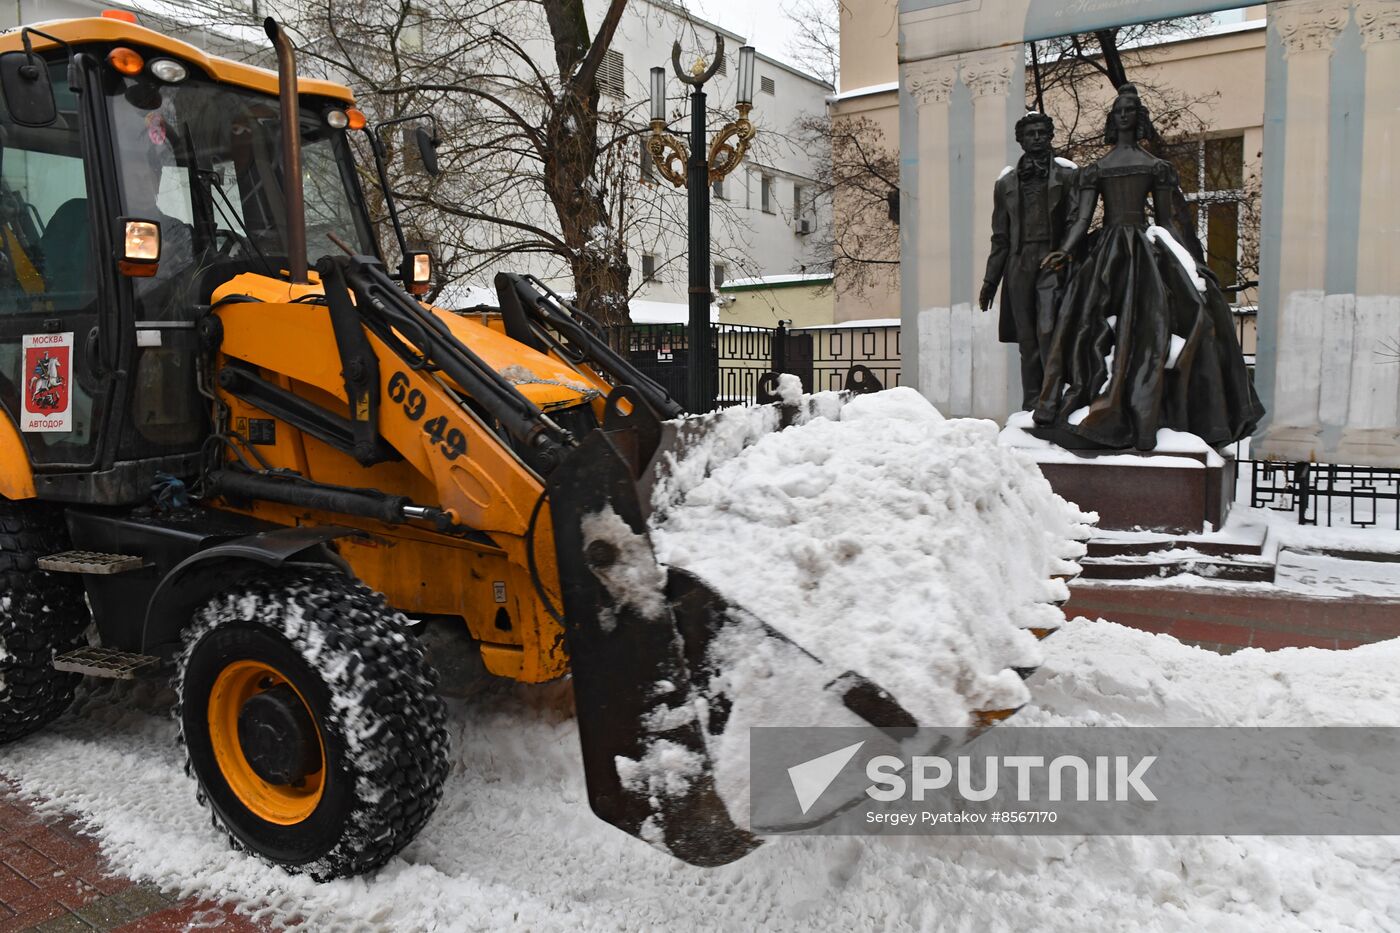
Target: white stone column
{"points": [[930, 84], [1372, 433], [988, 76], [1378, 265], [1308, 29]]}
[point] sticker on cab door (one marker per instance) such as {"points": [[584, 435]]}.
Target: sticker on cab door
{"points": [[48, 377]]}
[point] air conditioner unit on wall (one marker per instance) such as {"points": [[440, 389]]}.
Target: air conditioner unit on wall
{"points": [[804, 226]]}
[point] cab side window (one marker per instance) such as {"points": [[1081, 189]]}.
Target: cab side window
{"points": [[45, 235]]}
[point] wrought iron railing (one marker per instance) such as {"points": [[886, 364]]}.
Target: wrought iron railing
{"points": [[661, 351], [821, 356], [743, 353], [836, 349], [1357, 496]]}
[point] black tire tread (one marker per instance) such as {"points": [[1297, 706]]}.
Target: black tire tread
{"points": [[41, 614], [365, 655]]}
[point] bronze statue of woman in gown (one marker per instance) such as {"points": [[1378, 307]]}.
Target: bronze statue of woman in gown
{"points": [[1144, 338]]}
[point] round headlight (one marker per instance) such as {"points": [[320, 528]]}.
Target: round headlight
{"points": [[169, 70], [337, 119]]}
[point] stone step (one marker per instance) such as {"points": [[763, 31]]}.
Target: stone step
{"points": [[106, 662], [1214, 568], [1108, 547], [95, 562]]}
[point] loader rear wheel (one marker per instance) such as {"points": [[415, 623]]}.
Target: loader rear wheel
{"points": [[311, 721], [41, 614]]}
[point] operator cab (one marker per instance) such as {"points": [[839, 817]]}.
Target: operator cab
{"points": [[145, 140]]}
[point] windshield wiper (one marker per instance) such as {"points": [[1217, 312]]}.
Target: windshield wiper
{"points": [[229, 216]]}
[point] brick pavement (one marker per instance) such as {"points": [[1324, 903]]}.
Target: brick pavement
{"points": [[1227, 620], [53, 879]]}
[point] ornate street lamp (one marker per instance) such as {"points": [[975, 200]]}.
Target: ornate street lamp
{"points": [[696, 168]]}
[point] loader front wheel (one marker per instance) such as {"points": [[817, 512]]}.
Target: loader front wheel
{"points": [[41, 614], [311, 722]]}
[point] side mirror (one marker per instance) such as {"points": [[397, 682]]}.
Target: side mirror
{"points": [[427, 150], [24, 80]]}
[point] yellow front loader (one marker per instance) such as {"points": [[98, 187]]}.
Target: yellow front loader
{"points": [[315, 499]]}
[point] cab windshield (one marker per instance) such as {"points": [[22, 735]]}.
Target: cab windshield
{"points": [[205, 160]]}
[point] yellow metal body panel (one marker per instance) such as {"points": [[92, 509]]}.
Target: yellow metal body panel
{"points": [[480, 481], [16, 475], [100, 29]]}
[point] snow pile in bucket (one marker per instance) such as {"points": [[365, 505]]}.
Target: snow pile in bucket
{"points": [[882, 538]]}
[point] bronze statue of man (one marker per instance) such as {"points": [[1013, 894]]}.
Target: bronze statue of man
{"points": [[1033, 206]]}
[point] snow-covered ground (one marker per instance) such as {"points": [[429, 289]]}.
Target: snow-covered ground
{"points": [[840, 534], [514, 845]]}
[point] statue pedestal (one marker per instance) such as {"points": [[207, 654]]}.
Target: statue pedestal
{"points": [[1180, 488]]}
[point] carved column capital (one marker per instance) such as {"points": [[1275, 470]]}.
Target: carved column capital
{"points": [[1310, 25], [989, 76], [1379, 21], [932, 81]]}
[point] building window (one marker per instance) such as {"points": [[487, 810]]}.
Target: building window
{"points": [[892, 205], [719, 274], [765, 194], [797, 204], [612, 74], [717, 189], [648, 267], [1212, 178], [767, 86], [648, 166]]}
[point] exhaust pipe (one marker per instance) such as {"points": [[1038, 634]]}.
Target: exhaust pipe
{"points": [[291, 150]]}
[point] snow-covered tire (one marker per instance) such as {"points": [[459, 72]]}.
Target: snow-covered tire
{"points": [[41, 614], [367, 706]]}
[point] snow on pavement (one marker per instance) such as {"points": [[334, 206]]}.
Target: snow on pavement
{"points": [[514, 845]]}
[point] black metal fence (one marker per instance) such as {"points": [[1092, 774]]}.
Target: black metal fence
{"points": [[820, 356], [661, 351], [742, 354], [835, 350], [1358, 496]]}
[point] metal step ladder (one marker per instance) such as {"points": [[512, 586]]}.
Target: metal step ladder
{"points": [[94, 562], [106, 662]]}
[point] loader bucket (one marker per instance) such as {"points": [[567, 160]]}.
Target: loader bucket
{"points": [[652, 650], [645, 757]]}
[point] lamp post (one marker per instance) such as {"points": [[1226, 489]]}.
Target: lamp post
{"points": [[695, 169]]}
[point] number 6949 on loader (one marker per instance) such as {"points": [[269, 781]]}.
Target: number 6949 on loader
{"points": [[241, 452]]}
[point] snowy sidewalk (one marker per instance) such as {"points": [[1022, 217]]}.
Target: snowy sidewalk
{"points": [[513, 844], [54, 879], [1225, 617]]}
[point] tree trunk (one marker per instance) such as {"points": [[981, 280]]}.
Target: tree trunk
{"points": [[598, 256], [1112, 57]]}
